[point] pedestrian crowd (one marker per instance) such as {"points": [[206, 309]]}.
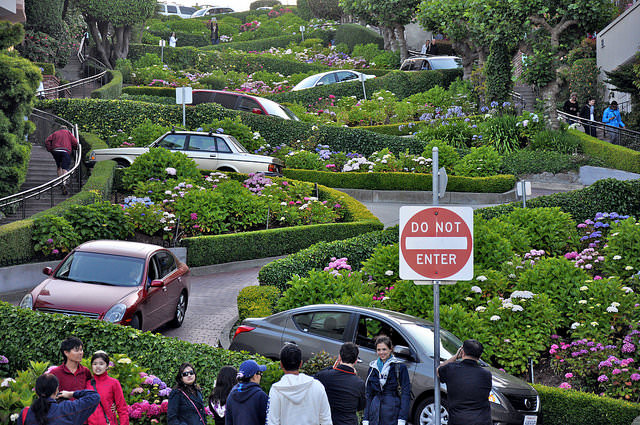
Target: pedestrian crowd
{"points": [[590, 115], [71, 394]]}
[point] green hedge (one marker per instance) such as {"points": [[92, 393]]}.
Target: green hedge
{"points": [[402, 84], [318, 256], [353, 34], [150, 91], [607, 195], [183, 38], [570, 407], [16, 245], [216, 249], [614, 156], [112, 89], [257, 301], [260, 44], [403, 181], [46, 68], [392, 129], [32, 336]]}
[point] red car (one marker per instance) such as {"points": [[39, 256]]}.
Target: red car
{"points": [[243, 102], [136, 284]]}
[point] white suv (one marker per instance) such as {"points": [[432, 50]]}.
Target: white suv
{"points": [[172, 9]]}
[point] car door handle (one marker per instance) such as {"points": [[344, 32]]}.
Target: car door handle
{"points": [[359, 360], [213, 155], [164, 289], [291, 342]]}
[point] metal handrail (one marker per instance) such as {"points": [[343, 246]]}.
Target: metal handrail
{"points": [[72, 84], [39, 190], [628, 138]]}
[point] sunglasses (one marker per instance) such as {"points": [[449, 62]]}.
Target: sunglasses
{"points": [[259, 373], [189, 373]]}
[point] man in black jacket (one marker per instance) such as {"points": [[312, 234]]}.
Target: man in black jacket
{"points": [[344, 388], [588, 112]]}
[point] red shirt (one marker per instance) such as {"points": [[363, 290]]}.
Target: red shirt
{"points": [[61, 139], [68, 381], [110, 392]]}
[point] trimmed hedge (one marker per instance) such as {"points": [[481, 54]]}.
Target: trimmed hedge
{"points": [[16, 245], [392, 129], [259, 44], [570, 407], [32, 336], [257, 301], [607, 195], [216, 249], [614, 156], [150, 91], [112, 89], [402, 84], [352, 34], [403, 181], [318, 256]]}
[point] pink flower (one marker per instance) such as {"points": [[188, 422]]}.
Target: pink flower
{"points": [[565, 385], [194, 216], [568, 375]]}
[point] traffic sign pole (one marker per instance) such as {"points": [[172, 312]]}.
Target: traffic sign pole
{"points": [[435, 189]]}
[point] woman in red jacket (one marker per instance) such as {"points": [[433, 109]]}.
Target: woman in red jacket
{"points": [[110, 394]]}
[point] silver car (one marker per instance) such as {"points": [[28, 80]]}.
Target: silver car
{"points": [[422, 63], [330, 77], [326, 327], [210, 151]]}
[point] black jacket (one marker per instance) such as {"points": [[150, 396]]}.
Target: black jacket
{"points": [[181, 409], [246, 405], [571, 108], [585, 112], [345, 391]]}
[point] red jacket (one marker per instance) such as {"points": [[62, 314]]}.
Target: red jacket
{"points": [[68, 381], [61, 139], [110, 392]]}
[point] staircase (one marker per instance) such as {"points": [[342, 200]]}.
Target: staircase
{"points": [[528, 96]]}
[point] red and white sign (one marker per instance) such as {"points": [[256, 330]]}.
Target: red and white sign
{"points": [[436, 243]]}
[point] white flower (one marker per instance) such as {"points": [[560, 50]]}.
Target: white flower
{"points": [[594, 324], [627, 289], [476, 289], [584, 288], [612, 309], [7, 382], [389, 273], [522, 294], [582, 302], [171, 171], [283, 203], [124, 360], [481, 308], [314, 127], [628, 268], [494, 318], [616, 257], [615, 304], [512, 276], [481, 278], [574, 325], [14, 417], [468, 299], [507, 304]]}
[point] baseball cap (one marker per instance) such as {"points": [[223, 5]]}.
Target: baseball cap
{"points": [[248, 368]]}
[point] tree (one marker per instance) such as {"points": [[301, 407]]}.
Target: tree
{"points": [[390, 15], [498, 72], [110, 24], [325, 9]]}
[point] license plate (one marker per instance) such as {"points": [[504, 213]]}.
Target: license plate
{"points": [[530, 420]]}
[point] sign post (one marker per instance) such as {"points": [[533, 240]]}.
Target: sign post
{"points": [[302, 31], [436, 244], [184, 96], [162, 44], [364, 90]]}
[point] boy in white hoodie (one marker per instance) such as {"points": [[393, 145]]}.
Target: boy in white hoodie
{"points": [[297, 399]]}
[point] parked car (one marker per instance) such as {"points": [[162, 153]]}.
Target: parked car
{"points": [[243, 102], [172, 9], [211, 10], [421, 63], [136, 284], [315, 328], [330, 77], [210, 151]]}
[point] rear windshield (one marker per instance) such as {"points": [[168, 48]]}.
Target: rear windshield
{"points": [[445, 63], [102, 269]]}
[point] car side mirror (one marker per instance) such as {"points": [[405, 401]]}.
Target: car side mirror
{"points": [[157, 283], [319, 83], [403, 352], [47, 271]]}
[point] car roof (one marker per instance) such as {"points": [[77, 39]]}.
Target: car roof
{"points": [[116, 247], [400, 318], [266, 103]]}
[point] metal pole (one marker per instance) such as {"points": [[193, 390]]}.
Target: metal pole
{"points": [[436, 299], [364, 90], [184, 114], [524, 194]]}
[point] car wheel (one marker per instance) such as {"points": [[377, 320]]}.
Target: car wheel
{"points": [[121, 163], [181, 310], [425, 413], [136, 323]]}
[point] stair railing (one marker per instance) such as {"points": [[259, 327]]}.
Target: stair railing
{"points": [[627, 138]]}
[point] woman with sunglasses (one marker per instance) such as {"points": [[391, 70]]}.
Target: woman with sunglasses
{"points": [[186, 405]]}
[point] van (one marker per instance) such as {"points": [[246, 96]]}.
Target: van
{"points": [[172, 9]]}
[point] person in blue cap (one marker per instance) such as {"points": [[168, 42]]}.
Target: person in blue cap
{"points": [[247, 402]]}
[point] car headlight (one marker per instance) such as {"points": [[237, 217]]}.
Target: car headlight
{"points": [[493, 398], [27, 302], [115, 313]]}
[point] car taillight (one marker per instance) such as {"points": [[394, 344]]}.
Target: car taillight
{"points": [[257, 111], [273, 168], [242, 329]]}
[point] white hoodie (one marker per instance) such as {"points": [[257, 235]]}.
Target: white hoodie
{"points": [[298, 400]]}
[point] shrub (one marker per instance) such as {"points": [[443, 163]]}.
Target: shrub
{"points": [[501, 133], [366, 51], [386, 60], [556, 141], [53, 235], [612, 156], [548, 229], [456, 133], [448, 157], [257, 301], [303, 160], [147, 132], [532, 162], [583, 79], [126, 68], [621, 252], [484, 161], [353, 34], [160, 163], [101, 220], [234, 127], [492, 246], [112, 89], [383, 265]]}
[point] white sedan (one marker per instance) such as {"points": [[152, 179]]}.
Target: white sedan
{"points": [[330, 77], [210, 151]]}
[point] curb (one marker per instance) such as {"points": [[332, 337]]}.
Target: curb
{"points": [[426, 197], [224, 339]]}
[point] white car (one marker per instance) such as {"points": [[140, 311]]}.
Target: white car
{"points": [[172, 9], [339, 76], [211, 10], [425, 63], [210, 151]]}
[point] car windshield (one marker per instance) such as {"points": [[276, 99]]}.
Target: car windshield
{"points": [[445, 63], [237, 144], [200, 12], [290, 113], [308, 82], [103, 269], [423, 334]]}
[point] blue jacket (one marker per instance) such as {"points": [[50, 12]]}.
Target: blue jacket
{"points": [[181, 411], [384, 405], [612, 117], [68, 412], [246, 405]]}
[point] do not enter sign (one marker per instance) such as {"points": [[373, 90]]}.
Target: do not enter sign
{"points": [[436, 243]]}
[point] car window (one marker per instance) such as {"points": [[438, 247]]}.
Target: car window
{"points": [[222, 146], [307, 82], [248, 104], [154, 270], [200, 12], [406, 66], [228, 100], [172, 9], [105, 269], [166, 263], [187, 10], [203, 97], [346, 76], [369, 328], [446, 63], [328, 79], [328, 324], [160, 8], [202, 143], [173, 142]]}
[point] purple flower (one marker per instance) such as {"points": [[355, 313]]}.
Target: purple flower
{"points": [[616, 372], [568, 375], [55, 252], [635, 377], [3, 359], [49, 240], [603, 378]]}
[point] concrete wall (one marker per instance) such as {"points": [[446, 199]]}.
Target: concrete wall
{"points": [[617, 44]]}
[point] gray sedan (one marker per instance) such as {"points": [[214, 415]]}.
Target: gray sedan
{"points": [[316, 328]]}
